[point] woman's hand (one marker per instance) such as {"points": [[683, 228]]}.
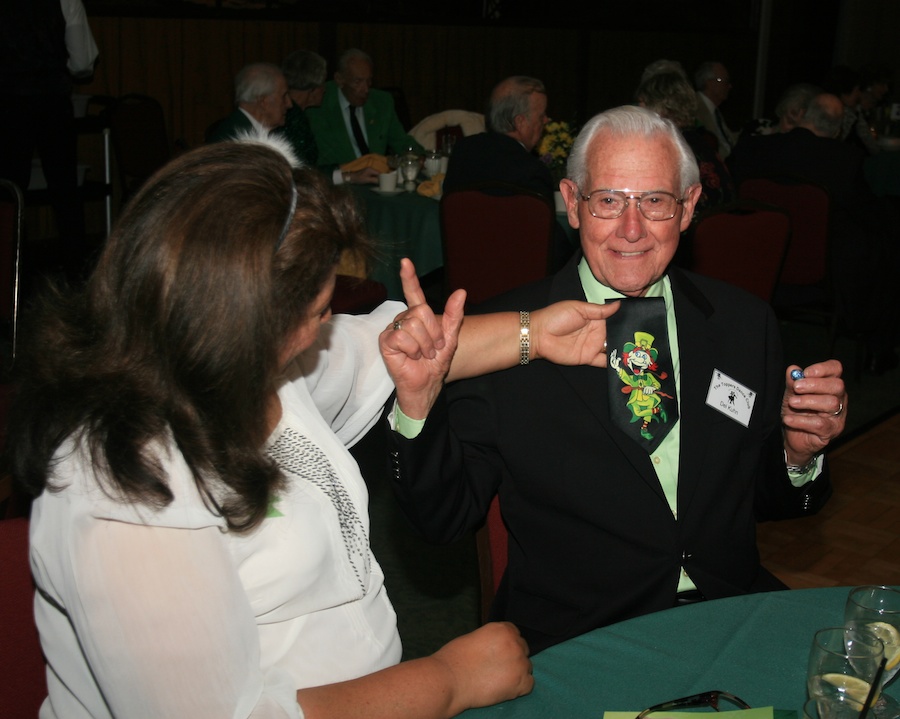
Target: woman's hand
{"points": [[419, 346], [571, 333], [488, 666]]}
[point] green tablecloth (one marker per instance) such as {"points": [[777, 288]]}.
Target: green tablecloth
{"points": [[403, 225], [755, 646]]}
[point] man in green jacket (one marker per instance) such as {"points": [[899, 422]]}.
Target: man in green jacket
{"points": [[350, 100]]}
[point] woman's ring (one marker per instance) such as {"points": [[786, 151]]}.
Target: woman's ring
{"points": [[398, 324], [840, 410]]}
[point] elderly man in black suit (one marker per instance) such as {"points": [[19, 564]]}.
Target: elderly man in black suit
{"points": [[600, 528]]}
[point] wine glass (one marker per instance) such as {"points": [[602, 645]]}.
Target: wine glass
{"points": [[877, 609], [845, 661]]}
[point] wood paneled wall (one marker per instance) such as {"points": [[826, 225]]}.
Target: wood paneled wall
{"points": [[189, 64]]}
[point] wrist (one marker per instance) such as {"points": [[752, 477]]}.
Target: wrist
{"points": [[801, 467]]}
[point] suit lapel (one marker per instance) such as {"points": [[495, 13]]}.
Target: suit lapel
{"points": [[695, 338]]}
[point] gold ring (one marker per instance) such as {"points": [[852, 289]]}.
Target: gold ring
{"points": [[604, 346], [840, 410], [398, 324]]}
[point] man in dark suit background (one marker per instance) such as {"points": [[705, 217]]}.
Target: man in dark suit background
{"points": [[600, 529], [261, 98], [516, 115]]}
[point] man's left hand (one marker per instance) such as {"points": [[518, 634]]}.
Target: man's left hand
{"points": [[813, 411]]}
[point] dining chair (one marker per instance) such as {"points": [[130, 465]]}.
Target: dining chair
{"points": [[11, 209], [496, 237], [24, 683], [451, 124], [139, 138], [491, 543], [743, 243]]}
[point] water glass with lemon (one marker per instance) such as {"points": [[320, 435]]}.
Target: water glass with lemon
{"points": [[877, 609], [844, 662]]}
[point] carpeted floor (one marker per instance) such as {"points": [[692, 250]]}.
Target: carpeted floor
{"points": [[435, 588]]}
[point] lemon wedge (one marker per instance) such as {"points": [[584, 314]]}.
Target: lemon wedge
{"points": [[854, 687], [889, 635]]}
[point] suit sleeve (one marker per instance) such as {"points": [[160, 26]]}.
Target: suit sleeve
{"points": [[445, 478], [776, 497]]}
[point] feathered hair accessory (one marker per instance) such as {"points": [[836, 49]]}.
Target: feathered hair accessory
{"points": [[281, 145]]}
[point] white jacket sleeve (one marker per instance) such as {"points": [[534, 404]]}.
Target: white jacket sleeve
{"points": [[345, 374], [166, 626]]}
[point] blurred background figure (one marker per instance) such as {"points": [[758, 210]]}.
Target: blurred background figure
{"points": [[713, 84], [44, 46], [671, 96], [304, 72], [261, 99]]}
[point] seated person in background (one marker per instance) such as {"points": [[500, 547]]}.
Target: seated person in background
{"points": [[515, 119], [713, 85], [602, 528], [671, 96], [261, 96], [304, 71], [862, 228], [788, 111], [355, 119], [845, 82]]}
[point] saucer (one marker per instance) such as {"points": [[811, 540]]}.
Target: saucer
{"points": [[387, 193]]}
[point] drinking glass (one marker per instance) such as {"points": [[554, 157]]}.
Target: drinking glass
{"points": [[877, 609], [409, 168], [838, 706], [844, 661]]}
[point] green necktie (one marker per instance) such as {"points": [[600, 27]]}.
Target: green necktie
{"points": [[642, 396]]}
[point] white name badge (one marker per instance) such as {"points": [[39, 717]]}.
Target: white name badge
{"points": [[730, 397]]}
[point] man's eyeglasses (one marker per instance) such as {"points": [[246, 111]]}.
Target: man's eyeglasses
{"points": [[610, 204], [706, 699], [726, 80]]}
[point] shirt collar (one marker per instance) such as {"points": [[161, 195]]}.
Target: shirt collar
{"points": [[598, 293]]}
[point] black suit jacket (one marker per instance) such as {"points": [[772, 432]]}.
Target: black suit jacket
{"points": [[494, 157], [592, 539]]}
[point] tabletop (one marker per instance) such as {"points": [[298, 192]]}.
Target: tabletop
{"points": [[755, 646], [402, 224]]}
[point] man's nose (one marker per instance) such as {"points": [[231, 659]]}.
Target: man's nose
{"points": [[632, 223]]}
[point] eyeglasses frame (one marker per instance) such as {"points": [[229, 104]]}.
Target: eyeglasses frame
{"points": [[710, 698], [638, 196]]}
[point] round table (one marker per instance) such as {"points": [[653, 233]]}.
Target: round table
{"points": [[755, 646]]}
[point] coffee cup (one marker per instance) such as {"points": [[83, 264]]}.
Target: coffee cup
{"points": [[387, 181]]}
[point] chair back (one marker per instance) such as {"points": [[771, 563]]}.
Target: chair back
{"points": [[451, 125], [492, 543], [356, 295], [11, 204], [496, 237], [140, 140], [24, 684], [808, 205], [744, 244]]}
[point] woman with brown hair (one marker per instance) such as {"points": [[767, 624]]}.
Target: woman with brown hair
{"points": [[199, 537]]}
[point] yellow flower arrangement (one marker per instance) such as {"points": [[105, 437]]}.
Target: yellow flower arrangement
{"points": [[555, 146]]}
